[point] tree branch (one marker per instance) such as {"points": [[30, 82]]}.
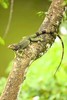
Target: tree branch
{"points": [[33, 50], [53, 17]]}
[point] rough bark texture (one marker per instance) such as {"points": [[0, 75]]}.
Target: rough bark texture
{"points": [[53, 17], [33, 50]]}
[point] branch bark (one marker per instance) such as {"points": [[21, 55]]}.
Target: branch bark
{"points": [[34, 50]]}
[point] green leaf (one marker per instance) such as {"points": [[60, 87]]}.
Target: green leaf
{"points": [[2, 41], [4, 3], [40, 13]]}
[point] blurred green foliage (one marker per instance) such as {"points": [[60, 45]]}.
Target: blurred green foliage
{"points": [[40, 83], [2, 41], [4, 3], [65, 2]]}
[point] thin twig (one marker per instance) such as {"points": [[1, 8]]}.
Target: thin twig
{"points": [[10, 18]]}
